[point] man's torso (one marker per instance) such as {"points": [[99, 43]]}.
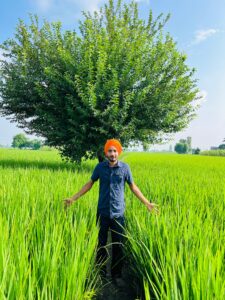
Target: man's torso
{"points": [[111, 200]]}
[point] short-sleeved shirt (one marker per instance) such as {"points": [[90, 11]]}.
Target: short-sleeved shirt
{"points": [[111, 201]]}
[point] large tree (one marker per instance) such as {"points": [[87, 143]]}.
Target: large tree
{"points": [[120, 77]]}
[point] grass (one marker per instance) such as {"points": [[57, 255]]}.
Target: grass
{"points": [[180, 253], [46, 253]]}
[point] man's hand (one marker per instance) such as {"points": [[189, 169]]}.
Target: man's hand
{"points": [[152, 207], [85, 188], [68, 202]]}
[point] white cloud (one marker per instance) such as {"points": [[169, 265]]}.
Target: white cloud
{"points": [[202, 35]]}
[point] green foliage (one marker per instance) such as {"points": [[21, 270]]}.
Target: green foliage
{"points": [[196, 151], [222, 147], [180, 148], [35, 144], [45, 252], [21, 141], [122, 77], [213, 152], [49, 254], [180, 253]]}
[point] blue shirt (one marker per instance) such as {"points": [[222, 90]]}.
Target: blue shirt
{"points": [[111, 202]]}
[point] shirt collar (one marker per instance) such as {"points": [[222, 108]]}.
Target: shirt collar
{"points": [[119, 164]]}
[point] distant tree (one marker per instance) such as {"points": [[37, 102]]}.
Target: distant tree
{"points": [[188, 142], [196, 151], [36, 144], [180, 148], [28, 144], [121, 77], [221, 146], [19, 141], [183, 141]]}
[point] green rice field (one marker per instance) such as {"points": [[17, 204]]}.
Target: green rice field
{"points": [[49, 253]]}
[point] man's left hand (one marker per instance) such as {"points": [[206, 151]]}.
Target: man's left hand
{"points": [[152, 207]]}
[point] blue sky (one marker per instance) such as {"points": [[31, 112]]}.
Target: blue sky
{"points": [[198, 28]]}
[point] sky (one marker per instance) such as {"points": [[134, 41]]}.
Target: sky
{"points": [[198, 27]]}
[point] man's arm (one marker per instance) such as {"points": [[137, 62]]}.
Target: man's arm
{"points": [[150, 206], [84, 189]]}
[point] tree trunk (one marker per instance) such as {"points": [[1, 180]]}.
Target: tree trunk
{"points": [[100, 155]]}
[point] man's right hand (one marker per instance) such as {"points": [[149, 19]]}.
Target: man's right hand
{"points": [[68, 202]]}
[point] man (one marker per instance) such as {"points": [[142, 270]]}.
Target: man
{"points": [[111, 205]]}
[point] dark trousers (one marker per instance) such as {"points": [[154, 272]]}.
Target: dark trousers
{"points": [[117, 243]]}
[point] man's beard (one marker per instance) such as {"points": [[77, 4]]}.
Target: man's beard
{"points": [[112, 158]]}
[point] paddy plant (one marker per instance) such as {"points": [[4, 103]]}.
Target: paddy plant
{"points": [[47, 252], [180, 253]]}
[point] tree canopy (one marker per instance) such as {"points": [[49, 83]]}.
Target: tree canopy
{"points": [[120, 77]]}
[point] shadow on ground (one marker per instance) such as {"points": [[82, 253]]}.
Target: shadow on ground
{"points": [[110, 291]]}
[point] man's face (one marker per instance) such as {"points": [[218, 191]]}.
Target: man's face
{"points": [[112, 154]]}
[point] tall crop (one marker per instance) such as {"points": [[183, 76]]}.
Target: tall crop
{"points": [[180, 253], [45, 252]]}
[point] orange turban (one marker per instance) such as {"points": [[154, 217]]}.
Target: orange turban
{"points": [[115, 143]]}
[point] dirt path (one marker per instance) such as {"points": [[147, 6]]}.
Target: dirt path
{"points": [[110, 290]]}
